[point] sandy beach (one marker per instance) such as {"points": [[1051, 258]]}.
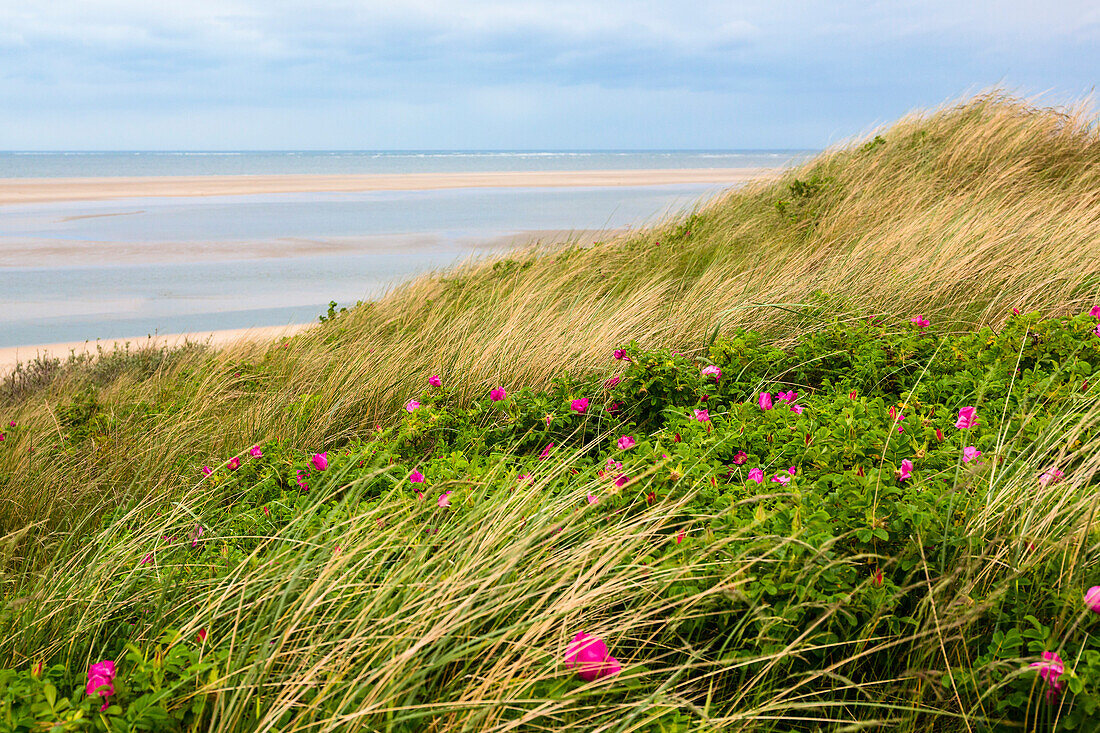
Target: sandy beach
{"points": [[47, 190], [12, 355]]}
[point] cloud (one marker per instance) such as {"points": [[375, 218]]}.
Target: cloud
{"points": [[73, 60]]}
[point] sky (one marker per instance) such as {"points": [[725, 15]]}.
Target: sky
{"points": [[488, 74]]}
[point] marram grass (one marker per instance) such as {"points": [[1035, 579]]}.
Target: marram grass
{"points": [[357, 607]]}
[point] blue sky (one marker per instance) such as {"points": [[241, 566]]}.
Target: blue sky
{"points": [[325, 74]]}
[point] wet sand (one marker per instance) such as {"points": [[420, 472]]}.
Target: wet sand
{"points": [[48, 190]]}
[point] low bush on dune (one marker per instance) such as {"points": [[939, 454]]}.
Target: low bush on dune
{"points": [[881, 523]]}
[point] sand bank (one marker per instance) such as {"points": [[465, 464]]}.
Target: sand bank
{"points": [[45, 190], [11, 355]]}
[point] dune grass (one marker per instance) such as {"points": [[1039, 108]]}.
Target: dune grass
{"points": [[960, 214]]}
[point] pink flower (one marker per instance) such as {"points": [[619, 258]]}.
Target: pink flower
{"points": [[922, 323], [1050, 669], [411, 405], [905, 471], [592, 498], [787, 397], [970, 453], [939, 435], [234, 463], [1095, 312], [524, 478], [579, 406], [620, 354], [702, 415], [680, 537], [101, 677], [195, 534], [1092, 598], [967, 418], [589, 655], [626, 442], [255, 452], [416, 477], [201, 636], [613, 465], [611, 382], [712, 371], [148, 559], [1051, 476], [792, 470], [545, 452], [781, 479], [797, 409], [622, 480], [206, 470], [740, 458], [765, 400], [1097, 331], [497, 394], [435, 381], [320, 461], [1, 437], [444, 499], [11, 423], [757, 475]]}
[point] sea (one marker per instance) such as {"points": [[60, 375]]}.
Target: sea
{"points": [[122, 268]]}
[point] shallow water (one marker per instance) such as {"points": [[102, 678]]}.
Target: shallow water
{"points": [[111, 269]]}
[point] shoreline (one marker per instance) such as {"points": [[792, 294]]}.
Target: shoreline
{"points": [[12, 355], [56, 190]]}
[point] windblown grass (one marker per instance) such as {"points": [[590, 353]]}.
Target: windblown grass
{"points": [[959, 214]]}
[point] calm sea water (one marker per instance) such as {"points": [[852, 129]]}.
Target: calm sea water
{"points": [[335, 162], [127, 268]]}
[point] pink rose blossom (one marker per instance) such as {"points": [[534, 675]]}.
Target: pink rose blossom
{"points": [[255, 452], [712, 370], [622, 480], [444, 499], [740, 458], [589, 656], [1051, 476], [1050, 669], [320, 461], [765, 400], [206, 470], [101, 677], [620, 354], [781, 479], [497, 394], [148, 559], [922, 323], [1095, 312], [549, 417], [626, 442], [970, 453], [792, 470], [967, 418], [592, 498], [411, 406], [702, 415], [545, 452], [524, 478], [797, 409], [435, 381], [196, 533], [234, 463], [757, 475], [905, 471], [787, 397], [579, 406], [1092, 598], [416, 477], [611, 382]]}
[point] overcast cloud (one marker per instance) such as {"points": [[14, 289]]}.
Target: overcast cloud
{"points": [[257, 74]]}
